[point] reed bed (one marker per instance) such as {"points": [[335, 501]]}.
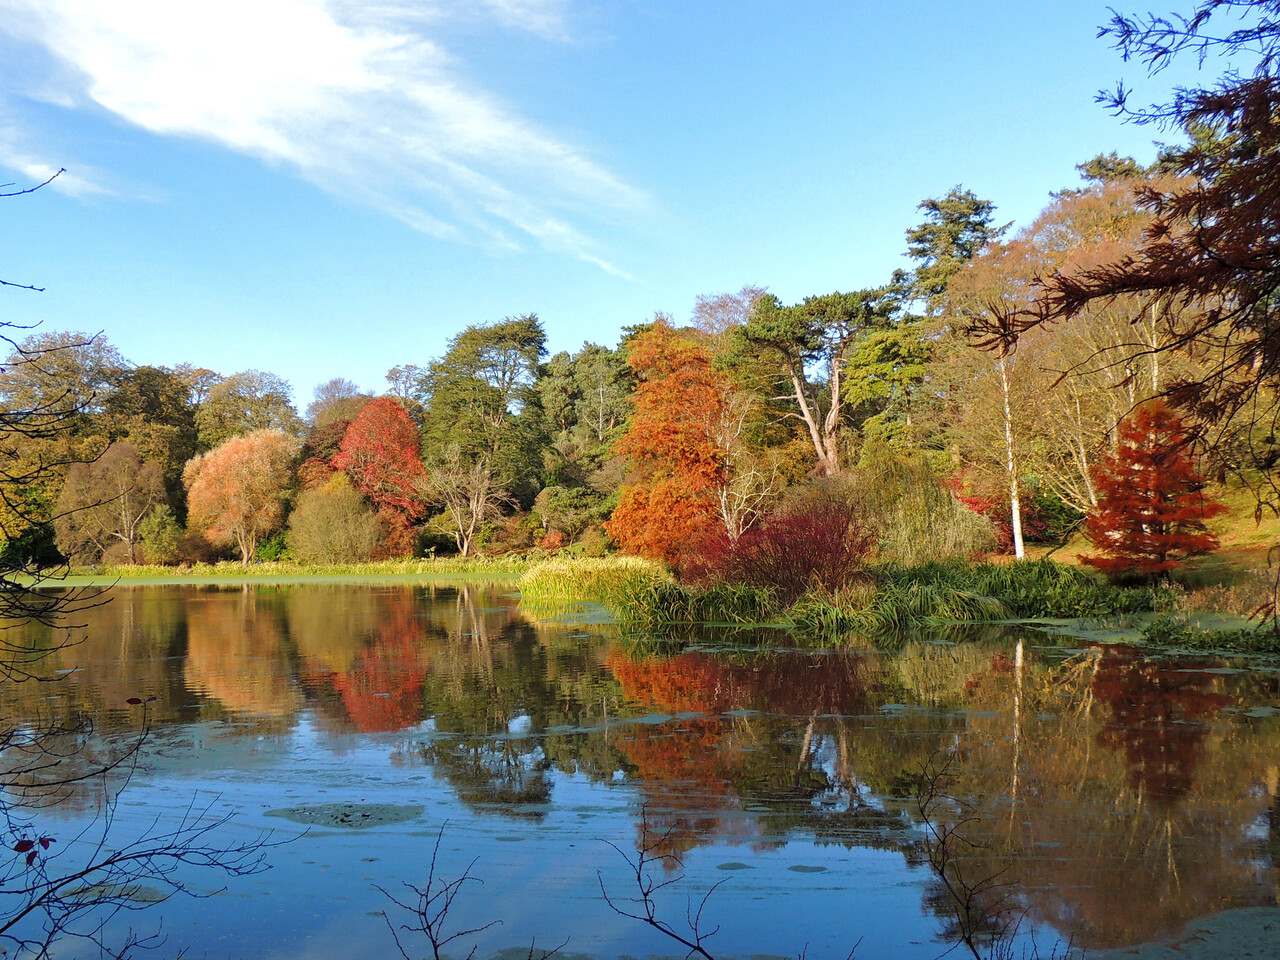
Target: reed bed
{"points": [[505, 566], [608, 580]]}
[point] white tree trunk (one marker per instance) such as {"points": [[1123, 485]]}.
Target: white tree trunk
{"points": [[1011, 463]]}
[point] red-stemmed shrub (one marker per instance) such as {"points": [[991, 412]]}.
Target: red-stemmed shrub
{"points": [[818, 542]]}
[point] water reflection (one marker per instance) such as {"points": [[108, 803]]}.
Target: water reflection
{"points": [[1122, 795]]}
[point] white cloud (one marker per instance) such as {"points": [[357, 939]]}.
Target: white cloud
{"points": [[546, 18], [361, 98]]}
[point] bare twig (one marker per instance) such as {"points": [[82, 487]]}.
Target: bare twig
{"points": [[429, 908]]}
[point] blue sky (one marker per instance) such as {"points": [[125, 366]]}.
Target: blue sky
{"points": [[332, 188]]}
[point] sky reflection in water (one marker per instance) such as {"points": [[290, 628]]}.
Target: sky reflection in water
{"points": [[1122, 796]]}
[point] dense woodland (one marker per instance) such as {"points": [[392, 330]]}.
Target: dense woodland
{"points": [[1086, 374], [675, 442]]}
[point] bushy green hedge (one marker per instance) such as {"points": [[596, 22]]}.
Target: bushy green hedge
{"points": [[1171, 630]]}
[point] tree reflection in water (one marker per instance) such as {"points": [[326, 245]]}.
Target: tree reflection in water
{"points": [[1123, 795]]}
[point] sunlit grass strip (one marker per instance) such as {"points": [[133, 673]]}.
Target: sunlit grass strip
{"points": [[608, 580], [655, 605], [231, 570]]}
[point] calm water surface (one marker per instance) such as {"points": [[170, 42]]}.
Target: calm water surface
{"points": [[1123, 797]]}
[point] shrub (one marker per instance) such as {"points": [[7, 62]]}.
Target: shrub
{"points": [[272, 549], [552, 540], [194, 548], [160, 535], [594, 542], [333, 524], [916, 517], [817, 542]]}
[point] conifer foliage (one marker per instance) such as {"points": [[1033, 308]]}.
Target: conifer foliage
{"points": [[1152, 507], [667, 507]]}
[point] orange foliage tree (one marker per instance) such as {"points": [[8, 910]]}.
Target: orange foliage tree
{"points": [[670, 506], [380, 452], [236, 492], [1152, 507]]}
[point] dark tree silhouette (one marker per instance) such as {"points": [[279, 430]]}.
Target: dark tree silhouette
{"points": [[1209, 268], [56, 888]]}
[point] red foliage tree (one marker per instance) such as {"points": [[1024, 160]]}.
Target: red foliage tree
{"points": [[1152, 507], [665, 518], [380, 453], [1158, 715], [319, 448], [669, 505], [996, 509]]}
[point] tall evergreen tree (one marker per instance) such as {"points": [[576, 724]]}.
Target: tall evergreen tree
{"points": [[1152, 507], [955, 229]]}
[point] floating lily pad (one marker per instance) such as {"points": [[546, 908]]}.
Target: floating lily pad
{"points": [[134, 892], [354, 816], [806, 868], [733, 865]]}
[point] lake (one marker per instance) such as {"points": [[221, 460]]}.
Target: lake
{"points": [[1120, 799]]}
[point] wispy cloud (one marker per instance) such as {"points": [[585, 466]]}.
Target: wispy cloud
{"points": [[362, 98], [546, 18], [18, 155]]}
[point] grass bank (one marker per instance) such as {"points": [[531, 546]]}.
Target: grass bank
{"points": [[1185, 633], [891, 600], [230, 572]]}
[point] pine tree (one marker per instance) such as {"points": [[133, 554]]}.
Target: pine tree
{"points": [[1152, 507]]}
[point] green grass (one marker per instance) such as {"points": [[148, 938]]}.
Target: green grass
{"points": [[893, 601], [608, 580], [505, 568], [1174, 630]]}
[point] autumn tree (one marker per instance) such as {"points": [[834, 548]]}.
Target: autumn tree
{"points": [[236, 492], [380, 453], [104, 504], [1209, 263], [321, 444], [1152, 507], [245, 401], [669, 505]]}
